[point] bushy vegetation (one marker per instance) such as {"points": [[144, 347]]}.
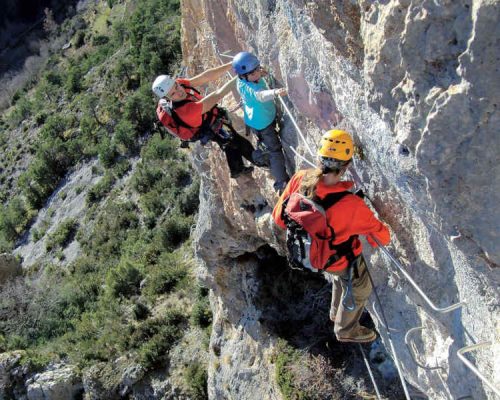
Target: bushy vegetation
{"points": [[97, 102], [62, 235], [79, 119]]}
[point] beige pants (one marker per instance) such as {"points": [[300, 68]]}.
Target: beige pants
{"points": [[345, 320]]}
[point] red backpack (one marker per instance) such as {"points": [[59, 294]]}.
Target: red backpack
{"points": [[176, 126], [309, 235]]}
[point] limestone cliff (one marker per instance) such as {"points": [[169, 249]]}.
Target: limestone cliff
{"points": [[417, 83]]}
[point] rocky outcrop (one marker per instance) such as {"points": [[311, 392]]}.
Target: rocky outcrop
{"points": [[59, 382], [417, 84], [12, 375]]}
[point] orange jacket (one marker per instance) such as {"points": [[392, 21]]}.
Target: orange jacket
{"points": [[350, 216]]}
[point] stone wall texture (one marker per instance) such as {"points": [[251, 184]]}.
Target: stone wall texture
{"points": [[418, 84]]}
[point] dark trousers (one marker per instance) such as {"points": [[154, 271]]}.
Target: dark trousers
{"points": [[272, 142], [235, 148]]}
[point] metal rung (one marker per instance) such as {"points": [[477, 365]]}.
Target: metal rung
{"points": [[412, 349], [414, 284], [466, 349]]}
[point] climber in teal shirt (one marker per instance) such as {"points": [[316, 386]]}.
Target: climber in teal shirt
{"points": [[260, 112]]}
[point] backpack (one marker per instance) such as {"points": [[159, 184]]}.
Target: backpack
{"points": [[309, 235], [166, 112]]}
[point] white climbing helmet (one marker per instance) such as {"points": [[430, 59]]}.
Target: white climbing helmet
{"points": [[162, 85]]}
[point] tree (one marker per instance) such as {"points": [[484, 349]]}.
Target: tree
{"points": [[49, 24]]}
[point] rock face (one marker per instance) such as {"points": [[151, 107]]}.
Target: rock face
{"points": [[12, 376], [417, 84], [59, 382]]}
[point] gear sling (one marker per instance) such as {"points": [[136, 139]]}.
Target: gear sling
{"points": [[310, 239]]}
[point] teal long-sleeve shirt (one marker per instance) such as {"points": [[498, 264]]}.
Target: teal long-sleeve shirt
{"points": [[258, 114]]}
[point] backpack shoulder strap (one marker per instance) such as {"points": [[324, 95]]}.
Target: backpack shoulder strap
{"points": [[178, 120], [330, 199], [191, 88]]}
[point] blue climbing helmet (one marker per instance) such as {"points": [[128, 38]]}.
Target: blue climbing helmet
{"points": [[245, 62]]}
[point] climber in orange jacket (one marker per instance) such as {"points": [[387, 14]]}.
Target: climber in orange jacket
{"points": [[349, 217]]}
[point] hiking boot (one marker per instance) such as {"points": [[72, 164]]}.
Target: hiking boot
{"points": [[361, 334], [243, 171]]}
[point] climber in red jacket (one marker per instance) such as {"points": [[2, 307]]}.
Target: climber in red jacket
{"points": [[186, 114], [349, 217]]}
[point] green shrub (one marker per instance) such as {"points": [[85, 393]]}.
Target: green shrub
{"points": [[121, 168], [189, 200], [54, 126], [100, 189], [201, 314], [79, 39], [40, 118], [285, 357], [21, 111], [13, 219], [124, 280], [145, 177], [107, 152], [174, 231], [36, 361], [73, 83], [196, 377], [125, 137], [53, 78], [158, 149], [141, 311], [99, 40], [62, 235], [164, 278], [155, 337]]}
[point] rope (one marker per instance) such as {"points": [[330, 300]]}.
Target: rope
{"points": [[302, 157], [389, 337], [370, 372], [287, 110]]}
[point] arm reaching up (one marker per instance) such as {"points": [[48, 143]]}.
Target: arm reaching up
{"points": [[213, 98], [210, 75]]}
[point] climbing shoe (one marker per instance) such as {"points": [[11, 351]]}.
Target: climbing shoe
{"points": [[360, 334], [243, 171]]}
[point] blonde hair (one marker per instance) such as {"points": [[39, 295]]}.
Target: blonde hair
{"points": [[309, 182]]}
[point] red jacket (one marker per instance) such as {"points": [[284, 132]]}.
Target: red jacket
{"points": [[190, 113], [349, 216]]}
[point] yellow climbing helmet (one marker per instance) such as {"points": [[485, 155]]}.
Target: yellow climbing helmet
{"points": [[336, 144]]}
